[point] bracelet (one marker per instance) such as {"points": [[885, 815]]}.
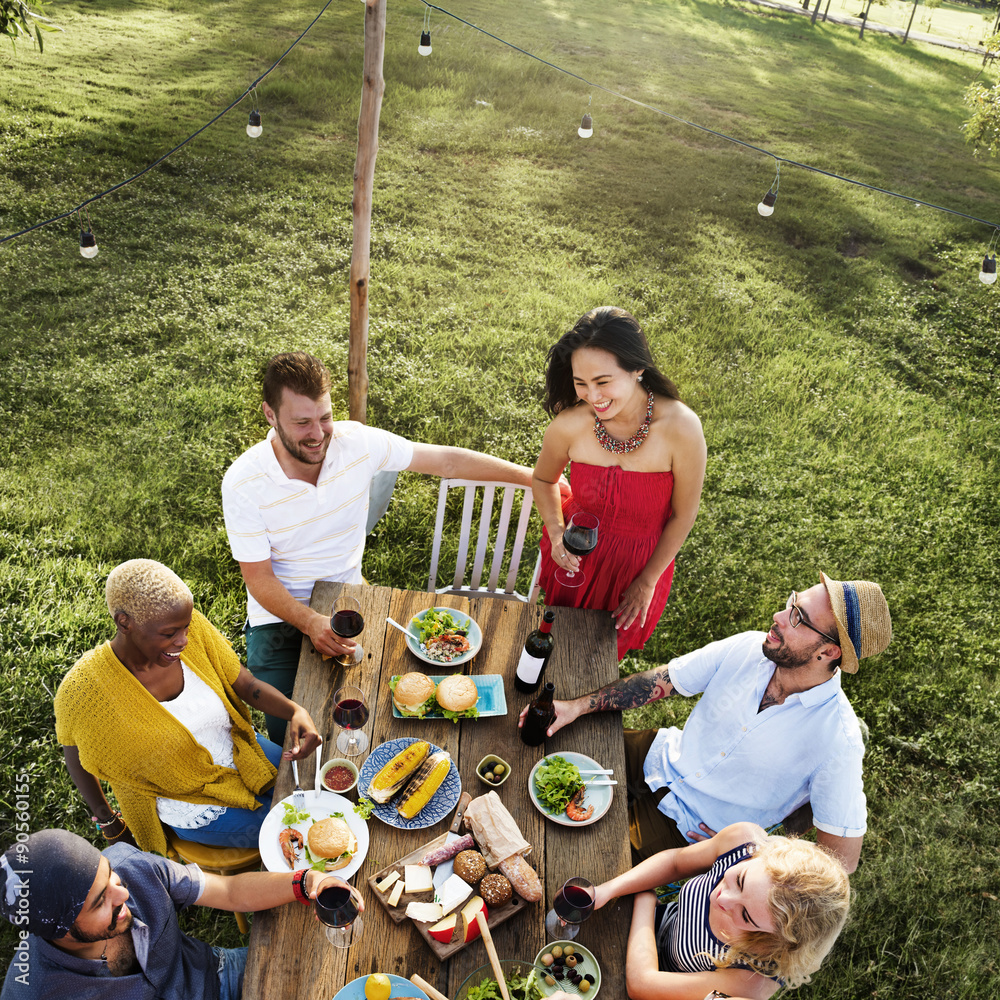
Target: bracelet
{"points": [[117, 836], [298, 886], [110, 822]]}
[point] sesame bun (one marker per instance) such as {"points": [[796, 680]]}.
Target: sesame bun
{"points": [[332, 838], [412, 690], [457, 693]]}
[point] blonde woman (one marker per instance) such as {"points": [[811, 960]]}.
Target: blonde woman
{"points": [[755, 913], [160, 713]]}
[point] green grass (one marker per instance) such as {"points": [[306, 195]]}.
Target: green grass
{"points": [[842, 355]]}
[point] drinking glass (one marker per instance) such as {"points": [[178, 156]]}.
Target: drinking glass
{"points": [[573, 904], [350, 712], [346, 621], [579, 538], [337, 908]]}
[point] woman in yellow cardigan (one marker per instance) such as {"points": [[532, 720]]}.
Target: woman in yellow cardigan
{"points": [[159, 712]]}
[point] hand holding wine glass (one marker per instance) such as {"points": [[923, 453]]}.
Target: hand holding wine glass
{"points": [[579, 538], [339, 908], [346, 622], [350, 712], [574, 902]]}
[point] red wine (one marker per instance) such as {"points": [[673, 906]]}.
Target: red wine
{"points": [[579, 541], [347, 624], [540, 715], [574, 904], [335, 906], [535, 656], [351, 713]]}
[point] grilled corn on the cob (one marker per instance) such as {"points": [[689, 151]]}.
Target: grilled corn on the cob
{"points": [[398, 771], [424, 784]]}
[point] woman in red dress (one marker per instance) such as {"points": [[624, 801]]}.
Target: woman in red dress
{"points": [[637, 461]]}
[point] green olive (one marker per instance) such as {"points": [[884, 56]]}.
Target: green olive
{"points": [[583, 986], [551, 982], [498, 768], [569, 950], [557, 951]]}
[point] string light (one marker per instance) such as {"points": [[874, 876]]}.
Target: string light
{"points": [[88, 241], [766, 206], [254, 127], [424, 48], [586, 129], [988, 273]]}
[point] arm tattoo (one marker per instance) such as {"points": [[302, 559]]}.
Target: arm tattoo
{"points": [[633, 691], [256, 694]]}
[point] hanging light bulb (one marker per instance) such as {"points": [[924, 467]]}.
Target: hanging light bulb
{"points": [[424, 48], [254, 127], [88, 244], [988, 273], [586, 129], [766, 206]]}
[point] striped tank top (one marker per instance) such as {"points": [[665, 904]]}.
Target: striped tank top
{"points": [[684, 940]]}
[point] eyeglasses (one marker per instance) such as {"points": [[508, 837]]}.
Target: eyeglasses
{"points": [[797, 618]]}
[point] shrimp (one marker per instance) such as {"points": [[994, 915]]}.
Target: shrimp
{"points": [[291, 842], [574, 808]]}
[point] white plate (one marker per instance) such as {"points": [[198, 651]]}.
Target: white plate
{"points": [[355, 989], [319, 805], [598, 796], [589, 964], [475, 637]]}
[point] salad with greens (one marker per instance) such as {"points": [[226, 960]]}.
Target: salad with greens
{"points": [[438, 621], [556, 782], [518, 987]]}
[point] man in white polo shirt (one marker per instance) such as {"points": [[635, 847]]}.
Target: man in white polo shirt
{"points": [[296, 508]]}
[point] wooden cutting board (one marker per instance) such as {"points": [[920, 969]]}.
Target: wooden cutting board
{"points": [[498, 915]]}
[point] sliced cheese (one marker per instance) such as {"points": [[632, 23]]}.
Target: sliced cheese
{"points": [[396, 893], [454, 890], [384, 885], [418, 878], [424, 912]]}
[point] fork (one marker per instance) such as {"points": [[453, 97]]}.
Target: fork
{"points": [[298, 796]]}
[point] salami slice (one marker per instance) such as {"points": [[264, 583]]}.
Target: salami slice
{"points": [[449, 851]]}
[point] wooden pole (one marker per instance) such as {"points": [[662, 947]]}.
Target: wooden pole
{"points": [[373, 87]]}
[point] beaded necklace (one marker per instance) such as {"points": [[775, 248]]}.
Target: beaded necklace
{"points": [[616, 447]]}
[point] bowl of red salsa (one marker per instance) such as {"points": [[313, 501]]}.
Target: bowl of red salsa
{"points": [[339, 775]]}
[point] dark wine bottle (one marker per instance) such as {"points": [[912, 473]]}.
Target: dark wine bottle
{"points": [[541, 712], [535, 656]]}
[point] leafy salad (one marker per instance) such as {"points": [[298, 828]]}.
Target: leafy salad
{"points": [[438, 621], [556, 782], [518, 987]]}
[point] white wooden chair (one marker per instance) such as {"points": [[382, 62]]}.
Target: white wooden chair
{"points": [[500, 549]]}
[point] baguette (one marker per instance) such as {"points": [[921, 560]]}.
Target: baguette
{"points": [[522, 878]]}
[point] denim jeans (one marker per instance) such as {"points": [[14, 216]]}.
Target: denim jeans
{"points": [[237, 827], [232, 963]]}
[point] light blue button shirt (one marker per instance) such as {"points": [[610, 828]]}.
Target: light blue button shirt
{"points": [[732, 762]]}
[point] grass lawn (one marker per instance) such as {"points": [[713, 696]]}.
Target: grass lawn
{"points": [[842, 354]]}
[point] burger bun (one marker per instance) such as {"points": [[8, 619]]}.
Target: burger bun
{"points": [[332, 838], [457, 693], [412, 690]]}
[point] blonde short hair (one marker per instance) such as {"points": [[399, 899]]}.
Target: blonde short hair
{"points": [[809, 899], [145, 590]]}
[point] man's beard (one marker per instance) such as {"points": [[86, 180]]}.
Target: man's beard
{"points": [[112, 932], [783, 657], [294, 449]]}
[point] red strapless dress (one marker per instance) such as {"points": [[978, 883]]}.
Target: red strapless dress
{"points": [[633, 508]]}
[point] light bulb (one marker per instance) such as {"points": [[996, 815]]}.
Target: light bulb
{"points": [[766, 206], [88, 244], [254, 127], [586, 129], [424, 48], [988, 274]]}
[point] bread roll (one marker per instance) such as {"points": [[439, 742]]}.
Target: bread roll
{"points": [[495, 890], [522, 877], [332, 838], [412, 690], [470, 866], [457, 693]]}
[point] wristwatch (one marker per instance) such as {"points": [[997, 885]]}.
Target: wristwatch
{"points": [[299, 886]]}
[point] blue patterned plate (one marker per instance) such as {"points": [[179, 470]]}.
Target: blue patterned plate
{"points": [[442, 801], [492, 700]]}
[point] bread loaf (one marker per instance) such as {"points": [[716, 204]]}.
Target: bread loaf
{"points": [[522, 878]]}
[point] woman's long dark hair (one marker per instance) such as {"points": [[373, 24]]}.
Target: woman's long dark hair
{"points": [[608, 329]]}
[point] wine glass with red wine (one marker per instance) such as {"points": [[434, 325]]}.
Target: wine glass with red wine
{"points": [[579, 538], [350, 712], [573, 904], [337, 908], [346, 622]]}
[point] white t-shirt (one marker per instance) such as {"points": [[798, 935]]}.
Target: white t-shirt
{"points": [[732, 762], [308, 532]]}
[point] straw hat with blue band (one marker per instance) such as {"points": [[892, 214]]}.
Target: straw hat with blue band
{"points": [[863, 621]]}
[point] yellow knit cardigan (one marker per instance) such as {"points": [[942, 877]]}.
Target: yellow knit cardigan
{"points": [[127, 738]]}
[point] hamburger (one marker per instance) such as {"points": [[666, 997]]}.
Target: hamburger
{"points": [[331, 839], [414, 694], [457, 695]]}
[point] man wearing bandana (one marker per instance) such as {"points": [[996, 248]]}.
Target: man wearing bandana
{"points": [[104, 924]]}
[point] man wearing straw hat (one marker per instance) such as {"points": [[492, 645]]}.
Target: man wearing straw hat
{"points": [[772, 734]]}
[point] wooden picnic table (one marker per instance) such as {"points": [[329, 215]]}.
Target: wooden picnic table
{"points": [[289, 954]]}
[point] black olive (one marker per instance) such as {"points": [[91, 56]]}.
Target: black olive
{"points": [[590, 979]]}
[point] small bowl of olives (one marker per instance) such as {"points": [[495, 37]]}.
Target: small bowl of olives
{"points": [[493, 770]]}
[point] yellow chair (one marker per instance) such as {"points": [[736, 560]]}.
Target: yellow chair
{"points": [[217, 860]]}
